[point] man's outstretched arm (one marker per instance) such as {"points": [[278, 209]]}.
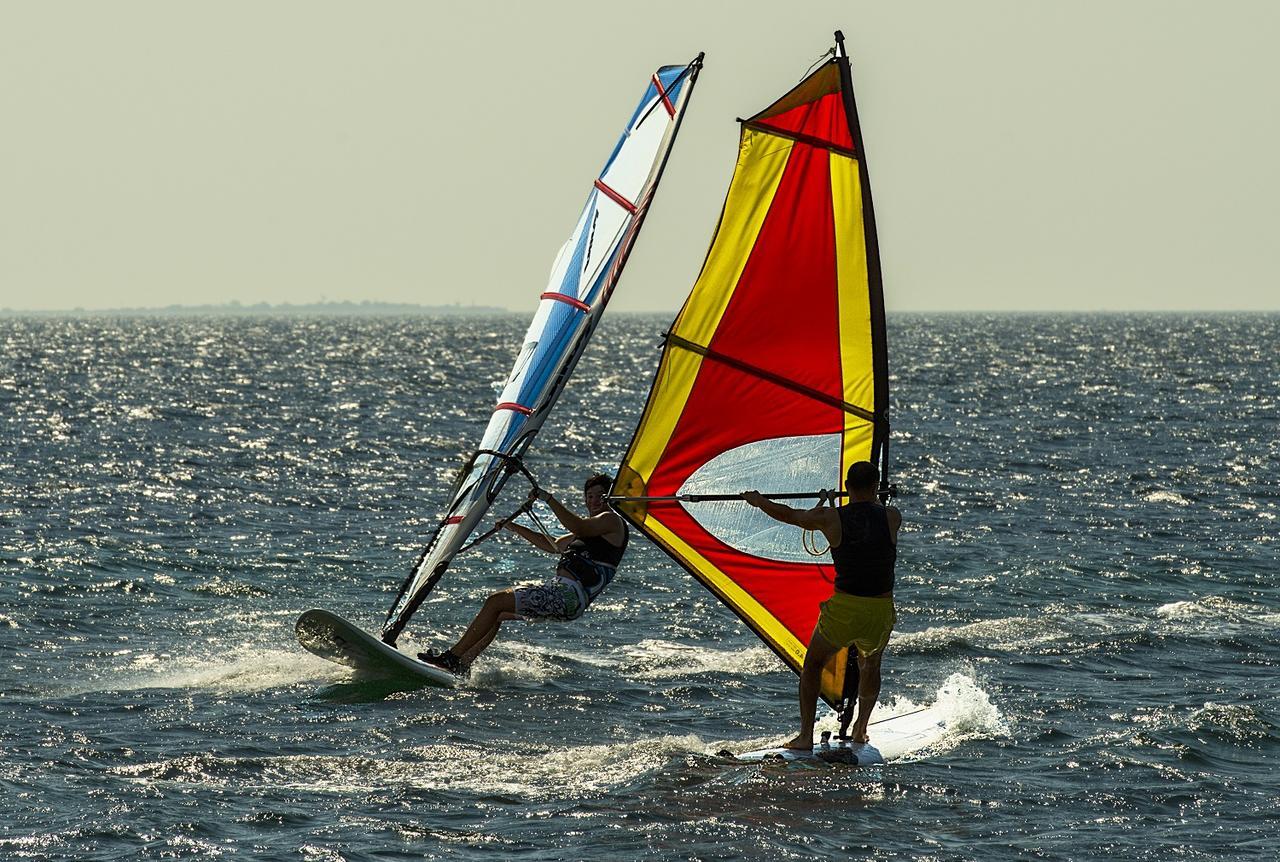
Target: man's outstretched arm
{"points": [[821, 518]]}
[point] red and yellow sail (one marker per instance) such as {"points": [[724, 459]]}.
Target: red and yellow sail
{"points": [[774, 374]]}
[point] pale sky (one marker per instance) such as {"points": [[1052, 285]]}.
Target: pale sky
{"points": [[1023, 155]]}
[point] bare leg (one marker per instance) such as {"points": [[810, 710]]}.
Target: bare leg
{"points": [[484, 642], [820, 652], [484, 627], [868, 693]]}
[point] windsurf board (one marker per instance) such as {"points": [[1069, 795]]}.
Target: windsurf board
{"points": [[891, 738], [331, 637]]}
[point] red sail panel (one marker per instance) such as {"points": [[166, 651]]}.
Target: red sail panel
{"points": [[823, 120], [782, 318], [814, 109]]}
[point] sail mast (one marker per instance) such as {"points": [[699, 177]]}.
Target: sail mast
{"points": [[875, 278]]}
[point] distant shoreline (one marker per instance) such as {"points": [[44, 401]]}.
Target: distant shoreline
{"points": [[392, 309], [263, 309]]}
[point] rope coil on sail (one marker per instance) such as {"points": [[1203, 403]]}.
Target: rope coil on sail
{"points": [[809, 538], [829, 54]]}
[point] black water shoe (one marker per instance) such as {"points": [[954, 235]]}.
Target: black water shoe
{"points": [[445, 660]]}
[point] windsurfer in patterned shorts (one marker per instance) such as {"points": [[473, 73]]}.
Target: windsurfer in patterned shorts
{"points": [[589, 557], [863, 536]]}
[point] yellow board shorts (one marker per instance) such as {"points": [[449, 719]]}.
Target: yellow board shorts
{"points": [[862, 621]]}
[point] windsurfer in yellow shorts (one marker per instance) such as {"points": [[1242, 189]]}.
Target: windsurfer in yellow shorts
{"points": [[863, 536]]}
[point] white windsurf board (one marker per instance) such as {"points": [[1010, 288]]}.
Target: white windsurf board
{"points": [[890, 739], [331, 637]]}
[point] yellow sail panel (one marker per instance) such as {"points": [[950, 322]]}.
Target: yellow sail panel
{"points": [[856, 359], [762, 158]]}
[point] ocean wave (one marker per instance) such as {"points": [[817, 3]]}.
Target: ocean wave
{"points": [[32, 846], [90, 587], [247, 669], [968, 709], [1218, 609], [963, 704], [227, 588], [1061, 631], [1006, 633], [1172, 497], [659, 659], [1239, 723], [511, 665], [517, 769], [1211, 730]]}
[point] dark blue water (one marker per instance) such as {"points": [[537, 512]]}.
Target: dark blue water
{"points": [[1086, 583]]}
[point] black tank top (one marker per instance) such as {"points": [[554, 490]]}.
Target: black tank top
{"points": [[593, 560], [600, 549], [865, 556]]}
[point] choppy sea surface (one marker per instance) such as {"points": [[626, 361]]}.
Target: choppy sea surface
{"points": [[1086, 584]]}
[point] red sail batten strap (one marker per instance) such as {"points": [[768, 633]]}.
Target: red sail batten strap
{"points": [[800, 138], [568, 300], [666, 103], [511, 405], [764, 374], [616, 198]]}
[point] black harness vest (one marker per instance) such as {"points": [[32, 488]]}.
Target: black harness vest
{"points": [[865, 556]]}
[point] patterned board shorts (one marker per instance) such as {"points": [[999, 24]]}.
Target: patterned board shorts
{"points": [[555, 600]]}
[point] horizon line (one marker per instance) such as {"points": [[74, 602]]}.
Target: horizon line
{"points": [[409, 308]]}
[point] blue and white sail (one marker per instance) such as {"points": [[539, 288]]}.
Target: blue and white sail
{"points": [[583, 277]]}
